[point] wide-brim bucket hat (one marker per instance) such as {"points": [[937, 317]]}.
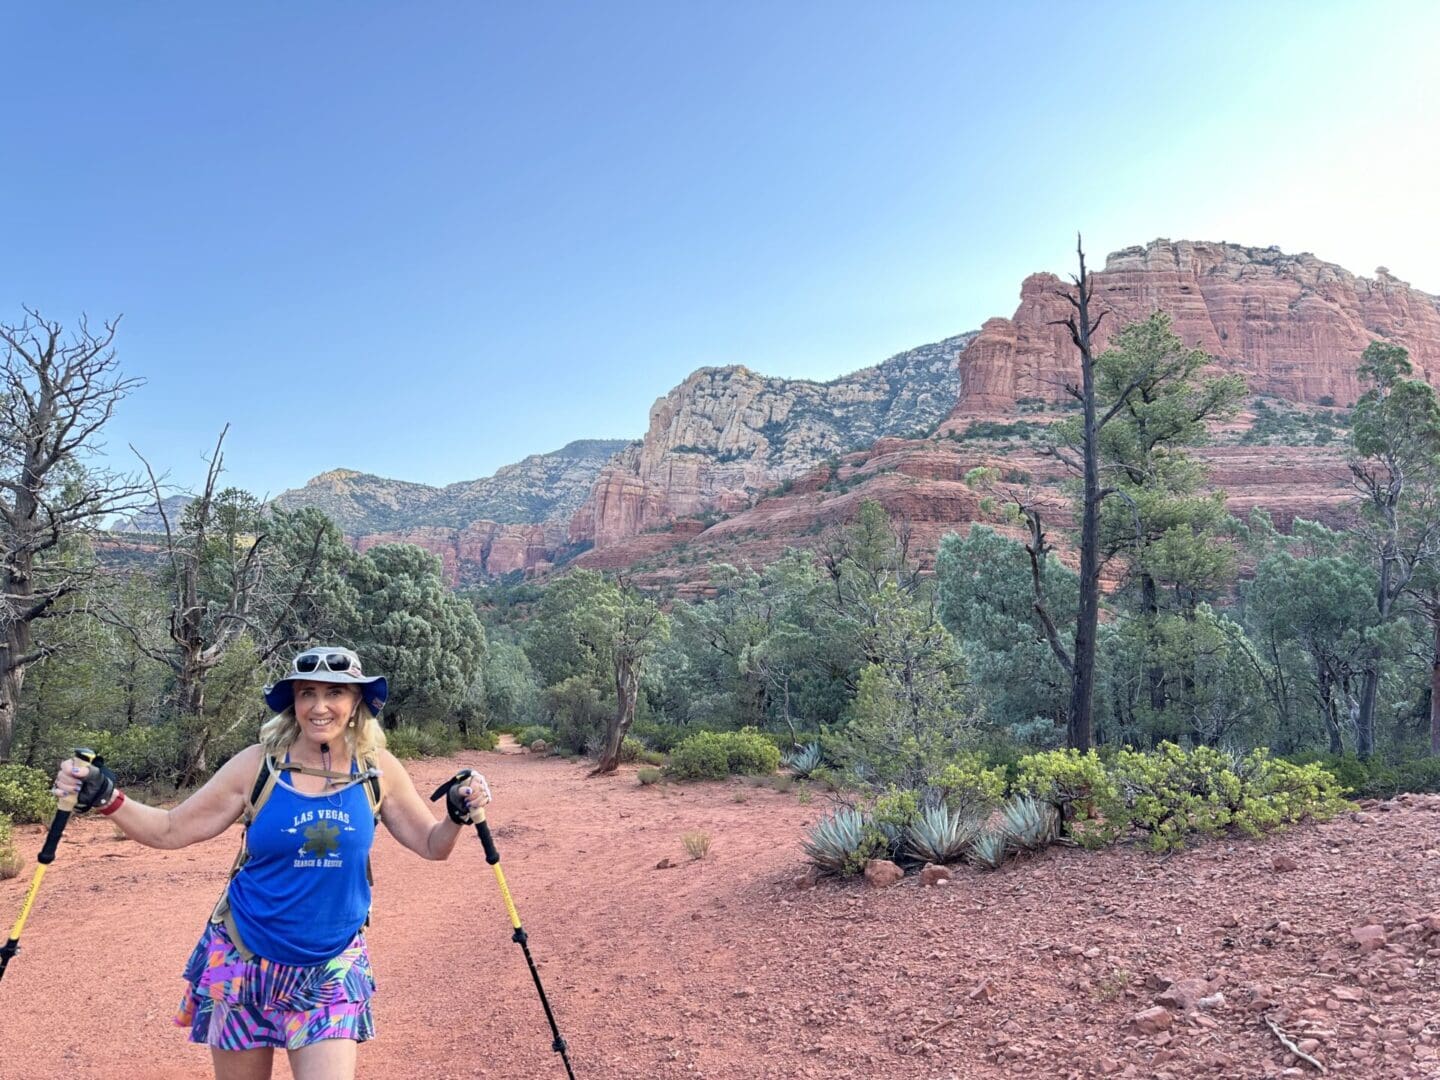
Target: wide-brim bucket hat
{"points": [[331, 665]]}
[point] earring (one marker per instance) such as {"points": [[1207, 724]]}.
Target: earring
{"points": [[352, 722]]}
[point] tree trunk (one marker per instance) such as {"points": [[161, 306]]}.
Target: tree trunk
{"points": [[1435, 681], [1154, 673], [1365, 718], [627, 689], [1087, 619], [11, 683]]}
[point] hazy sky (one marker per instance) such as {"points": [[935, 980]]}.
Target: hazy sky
{"points": [[424, 240]]}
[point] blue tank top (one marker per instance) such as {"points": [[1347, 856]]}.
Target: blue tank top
{"points": [[303, 891]]}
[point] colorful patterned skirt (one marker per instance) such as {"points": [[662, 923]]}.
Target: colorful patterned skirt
{"points": [[232, 1004]]}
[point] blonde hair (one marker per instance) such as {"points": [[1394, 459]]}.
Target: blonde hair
{"points": [[365, 739]]}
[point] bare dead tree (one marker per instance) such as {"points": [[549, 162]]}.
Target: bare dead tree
{"points": [[57, 392], [1084, 459], [227, 576]]}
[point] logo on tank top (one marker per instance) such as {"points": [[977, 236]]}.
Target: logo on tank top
{"points": [[321, 829]]}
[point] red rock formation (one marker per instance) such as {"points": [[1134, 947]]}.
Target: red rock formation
{"points": [[1292, 325], [481, 549]]}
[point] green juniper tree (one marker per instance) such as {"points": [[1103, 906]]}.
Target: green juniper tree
{"points": [[1395, 466]]}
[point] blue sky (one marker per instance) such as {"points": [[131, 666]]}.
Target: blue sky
{"points": [[425, 240]]}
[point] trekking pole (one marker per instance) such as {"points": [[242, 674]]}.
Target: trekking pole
{"points": [[63, 809], [492, 856]]}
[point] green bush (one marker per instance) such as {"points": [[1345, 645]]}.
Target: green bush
{"points": [[1170, 794], [480, 740], [1376, 778], [1080, 789], [10, 862], [712, 755], [25, 793], [968, 787], [648, 776], [416, 741], [703, 756]]}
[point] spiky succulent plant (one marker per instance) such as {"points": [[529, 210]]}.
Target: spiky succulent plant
{"points": [[1029, 823], [939, 835], [989, 848], [838, 841], [803, 760]]}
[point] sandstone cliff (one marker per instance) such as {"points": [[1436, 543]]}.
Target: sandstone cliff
{"points": [[541, 487], [725, 436], [1293, 325]]}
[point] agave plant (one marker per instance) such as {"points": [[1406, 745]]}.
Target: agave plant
{"points": [[989, 848], [803, 760], [1029, 823], [838, 840], [939, 835]]}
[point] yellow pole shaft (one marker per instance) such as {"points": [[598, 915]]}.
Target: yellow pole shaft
{"points": [[505, 893], [19, 926]]}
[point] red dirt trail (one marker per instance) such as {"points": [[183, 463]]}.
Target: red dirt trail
{"points": [[724, 968]]}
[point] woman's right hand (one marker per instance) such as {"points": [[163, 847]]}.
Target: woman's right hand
{"points": [[89, 784]]}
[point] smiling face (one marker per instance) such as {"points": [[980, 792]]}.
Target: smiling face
{"points": [[323, 709]]}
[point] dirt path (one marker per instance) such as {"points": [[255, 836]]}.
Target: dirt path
{"points": [[722, 968]]}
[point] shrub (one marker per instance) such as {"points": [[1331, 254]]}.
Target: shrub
{"points": [[480, 740], [414, 741], [939, 835], [1029, 823], [632, 749], [966, 786], [712, 755], [697, 844], [843, 841], [989, 848], [703, 756], [25, 793], [803, 760], [648, 776], [10, 862], [1080, 789]]}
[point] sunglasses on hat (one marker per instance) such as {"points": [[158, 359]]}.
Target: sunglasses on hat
{"points": [[334, 661]]}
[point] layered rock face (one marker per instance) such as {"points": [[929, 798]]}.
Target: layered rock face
{"points": [[726, 435], [1293, 325], [539, 488], [514, 520], [482, 549]]}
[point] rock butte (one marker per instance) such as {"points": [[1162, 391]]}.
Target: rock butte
{"points": [[728, 441]]}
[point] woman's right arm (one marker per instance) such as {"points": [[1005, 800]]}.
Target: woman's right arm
{"points": [[205, 814]]}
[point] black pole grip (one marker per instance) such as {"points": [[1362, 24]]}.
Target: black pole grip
{"points": [[52, 838], [492, 856]]}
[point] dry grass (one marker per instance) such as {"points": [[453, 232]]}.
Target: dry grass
{"points": [[697, 844]]}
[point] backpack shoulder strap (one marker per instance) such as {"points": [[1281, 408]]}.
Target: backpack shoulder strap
{"points": [[260, 790], [373, 789]]}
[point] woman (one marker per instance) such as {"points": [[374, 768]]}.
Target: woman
{"points": [[283, 961]]}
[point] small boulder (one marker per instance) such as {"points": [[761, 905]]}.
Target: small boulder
{"points": [[882, 872], [1151, 1021], [933, 874], [1183, 994], [1369, 937]]}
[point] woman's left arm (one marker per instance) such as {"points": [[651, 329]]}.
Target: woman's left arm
{"points": [[409, 820]]}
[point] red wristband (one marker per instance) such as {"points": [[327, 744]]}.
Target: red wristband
{"points": [[116, 801]]}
